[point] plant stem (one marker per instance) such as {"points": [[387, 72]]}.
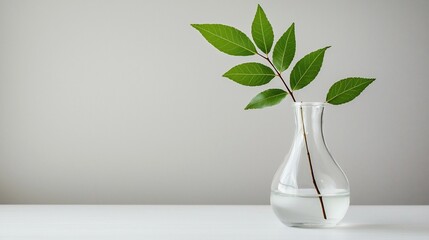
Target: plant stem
{"points": [[280, 76], [305, 135], [311, 166]]}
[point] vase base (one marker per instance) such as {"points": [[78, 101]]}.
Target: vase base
{"points": [[311, 225]]}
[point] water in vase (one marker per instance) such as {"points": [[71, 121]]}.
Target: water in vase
{"points": [[304, 210]]}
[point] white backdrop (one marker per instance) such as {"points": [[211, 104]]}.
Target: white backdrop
{"points": [[123, 102]]}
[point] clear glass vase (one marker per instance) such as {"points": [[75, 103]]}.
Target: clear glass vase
{"points": [[309, 189]]}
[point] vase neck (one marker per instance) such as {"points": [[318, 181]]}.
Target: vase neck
{"points": [[309, 116]]}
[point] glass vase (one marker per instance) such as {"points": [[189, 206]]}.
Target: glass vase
{"points": [[309, 189]]}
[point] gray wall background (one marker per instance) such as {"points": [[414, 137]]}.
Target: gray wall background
{"points": [[123, 102]]}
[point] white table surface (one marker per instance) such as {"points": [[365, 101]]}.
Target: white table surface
{"points": [[201, 222]]}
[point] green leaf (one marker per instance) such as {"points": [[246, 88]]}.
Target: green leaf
{"points": [[250, 74], [262, 32], [266, 98], [284, 50], [227, 39], [347, 89], [307, 69]]}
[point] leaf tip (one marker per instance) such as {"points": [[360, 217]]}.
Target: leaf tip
{"points": [[249, 107], [368, 79]]}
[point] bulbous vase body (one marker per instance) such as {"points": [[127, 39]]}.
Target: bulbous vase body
{"points": [[309, 189]]}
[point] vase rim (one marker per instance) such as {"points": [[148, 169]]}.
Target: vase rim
{"points": [[309, 104]]}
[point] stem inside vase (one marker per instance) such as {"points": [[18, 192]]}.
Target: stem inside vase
{"points": [[311, 165]]}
